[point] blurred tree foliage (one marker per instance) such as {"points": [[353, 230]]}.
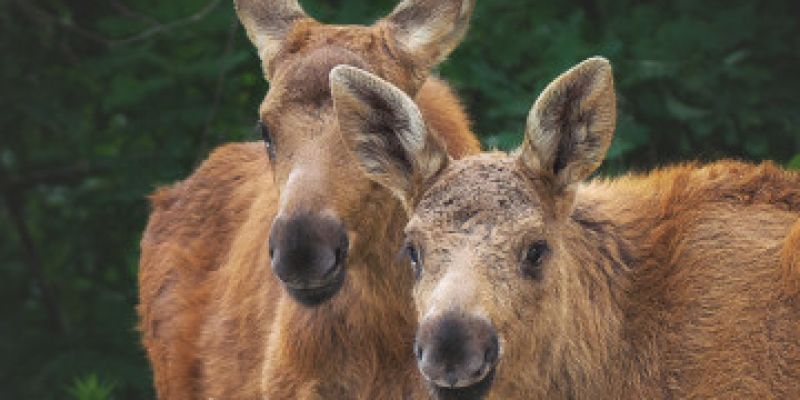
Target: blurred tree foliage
{"points": [[104, 101]]}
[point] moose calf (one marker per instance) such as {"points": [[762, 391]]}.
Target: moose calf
{"points": [[270, 273], [678, 283]]}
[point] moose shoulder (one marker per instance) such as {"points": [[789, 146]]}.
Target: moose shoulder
{"points": [[335, 319], [677, 283]]}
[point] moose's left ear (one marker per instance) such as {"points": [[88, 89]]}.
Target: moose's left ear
{"points": [[571, 125], [385, 131]]}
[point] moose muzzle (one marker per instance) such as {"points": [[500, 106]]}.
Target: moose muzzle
{"points": [[457, 354], [309, 252]]}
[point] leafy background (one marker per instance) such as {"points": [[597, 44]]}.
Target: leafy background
{"points": [[104, 101]]}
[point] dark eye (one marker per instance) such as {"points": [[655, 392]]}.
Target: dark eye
{"points": [[416, 261], [532, 260], [263, 130]]}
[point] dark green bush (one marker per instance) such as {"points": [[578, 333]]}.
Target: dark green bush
{"points": [[103, 101]]}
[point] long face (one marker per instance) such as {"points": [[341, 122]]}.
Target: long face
{"points": [[487, 258], [322, 191], [325, 199], [492, 238]]}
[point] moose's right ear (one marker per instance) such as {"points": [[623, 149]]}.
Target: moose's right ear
{"points": [[429, 30], [267, 23], [385, 131]]}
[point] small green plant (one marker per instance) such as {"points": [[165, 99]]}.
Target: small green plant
{"points": [[90, 387], [794, 163]]}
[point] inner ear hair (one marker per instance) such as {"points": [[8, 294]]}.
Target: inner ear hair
{"points": [[571, 125], [268, 22], [429, 30], [385, 131]]}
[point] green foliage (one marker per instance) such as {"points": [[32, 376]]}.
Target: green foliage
{"points": [[694, 80], [794, 163], [104, 101], [91, 387]]}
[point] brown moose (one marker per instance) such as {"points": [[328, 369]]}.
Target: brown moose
{"points": [[681, 283], [336, 319]]}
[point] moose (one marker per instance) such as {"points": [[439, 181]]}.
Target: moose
{"points": [[533, 284], [271, 273]]}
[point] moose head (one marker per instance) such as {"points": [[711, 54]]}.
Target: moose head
{"points": [[328, 208], [502, 270]]}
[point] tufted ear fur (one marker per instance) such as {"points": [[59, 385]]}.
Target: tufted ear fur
{"points": [[267, 23], [430, 29], [571, 125], [385, 131]]}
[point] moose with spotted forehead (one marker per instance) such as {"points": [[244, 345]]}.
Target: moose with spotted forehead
{"points": [[272, 274], [679, 283]]}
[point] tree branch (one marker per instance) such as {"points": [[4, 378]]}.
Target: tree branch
{"points": [[129, 12], [155, 29], [16, 211], [65, 175], [220, 86]]}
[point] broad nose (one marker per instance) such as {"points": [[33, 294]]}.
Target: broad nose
{"points": [[308, 250], [456, 350]]}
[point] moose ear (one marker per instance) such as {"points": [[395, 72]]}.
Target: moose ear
{"points": [[385, 131], [267, 23], [571, 125], [430, 29]]}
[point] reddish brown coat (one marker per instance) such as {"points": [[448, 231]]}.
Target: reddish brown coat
{"points": [[678, 283], [215, 322]]}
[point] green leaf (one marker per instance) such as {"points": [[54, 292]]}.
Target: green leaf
{"points": [[503, 141], [91, 387], [794, 163], [683, 111]]}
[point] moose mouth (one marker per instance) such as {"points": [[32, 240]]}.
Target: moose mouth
{"points": [[476, 391], [312, 296]]}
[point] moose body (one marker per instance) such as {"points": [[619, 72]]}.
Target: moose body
{"points": [[339, 323], [678, 283]]}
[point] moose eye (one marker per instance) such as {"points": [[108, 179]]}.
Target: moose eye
{"points": [[532, 260], [263, 130], [416, 262]]}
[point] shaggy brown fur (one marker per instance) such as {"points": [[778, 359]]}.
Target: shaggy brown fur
{"points": [[678, 283], [215, 321]]}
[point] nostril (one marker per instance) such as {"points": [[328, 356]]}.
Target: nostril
{"points": [[335, 266], [341, 251], [339, 256], [452, 379], [491, 355], [477, 373], [418, 351]]}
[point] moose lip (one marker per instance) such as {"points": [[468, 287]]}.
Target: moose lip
{"points": [[476, 391], [318, 294]]}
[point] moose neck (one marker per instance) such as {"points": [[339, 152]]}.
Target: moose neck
{"points": [[587, 347], [379, 276], [596, 318], [651, 215]]}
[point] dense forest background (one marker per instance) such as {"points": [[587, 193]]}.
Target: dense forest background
{"points": [[103, 101]]}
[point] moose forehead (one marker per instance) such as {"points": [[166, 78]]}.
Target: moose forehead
{"points": [[490, 190], [305, 81], [303, 66]]}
